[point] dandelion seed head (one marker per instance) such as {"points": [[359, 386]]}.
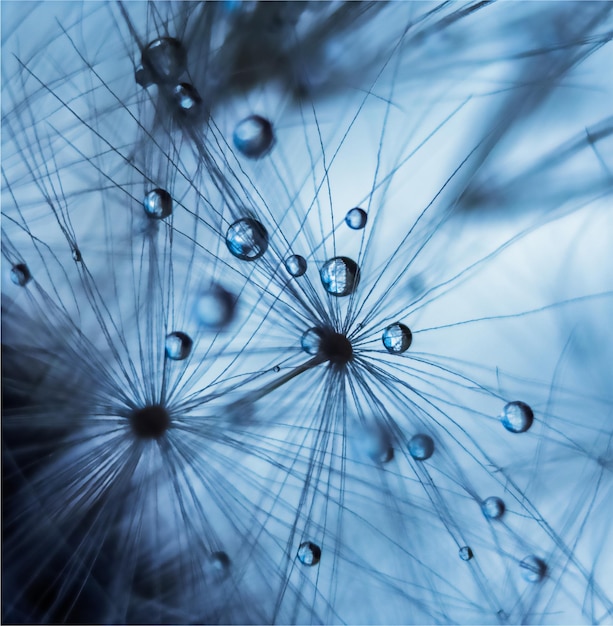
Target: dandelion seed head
{"points": [[150, 422]]}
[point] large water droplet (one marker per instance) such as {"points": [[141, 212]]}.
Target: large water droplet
{"points": [[187, 98], [493, 507], [178, 346], [466, 554], [296, 265], [356, 218], [254, 137], [150, 422], [247, 239], [421, 447], [158, 204], [533, 569], [20, 274], [164, 59], [215, 307], [397, 338], [340, 276], [517, 417], [311, 340], [309, 553]]}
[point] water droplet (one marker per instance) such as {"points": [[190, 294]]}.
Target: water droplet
{"points": [[276, 369], [296, 265], [517, 417], [309, 553], [187, 98], [466, 554], [215, 307], [150, 422], [143, 77], [533, 569], [421, 447], [356, 218], [493, 507], [158, 204], [20, 274], [254, 136], [340, 276], [178, 346], [311, 340], [247, 239], [397, 338], [375, 443], [164, 59], [217, 566], [76, 255]]}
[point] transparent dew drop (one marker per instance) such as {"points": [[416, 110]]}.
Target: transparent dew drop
{"points": [[397, 338], [276, 369], [377, 446], [158, 204], [20, 274], [309, 553], [187, 98], [421, 447], [217, 566], [493, 507], [77, 257], [533, 569], [215, 308], [466, 554], [247, 239], [164, 59], [254, 137], [517, 417], [311, 341], [178, 346], [296, 265], [356, 218], [340, 276], [143, 77]]}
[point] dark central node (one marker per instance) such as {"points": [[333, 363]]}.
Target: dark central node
{"points": [[336, 348], [150, 422]]}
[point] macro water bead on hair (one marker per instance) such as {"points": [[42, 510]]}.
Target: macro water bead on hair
{"points": [[309, 553], [215, 308], [296, 265], [178, 346], [356, 218], [517, 417], [247, 239], [164, 60], [158, 204], [466, 554], [533, 569], [187, 98], [421, 447], [493, 507], [20, 274], [340, 276], [254, 136], [397, 338]]}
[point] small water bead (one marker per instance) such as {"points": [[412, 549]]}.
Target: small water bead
{"points": [[466, 554], [517, 417], [20, 274], [77, 257], [276, 369], [376, 444], [143, 77], [421, 447], [215, 307], [397, 338], [158, 204], [247, 239], [533, 569], [296, 265], [311, 341], [340, 276], [217, 566], [493, 507], [187, 98], [309, 553], [164, 59], [254, 136], [178, 346], [356, 218]]}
